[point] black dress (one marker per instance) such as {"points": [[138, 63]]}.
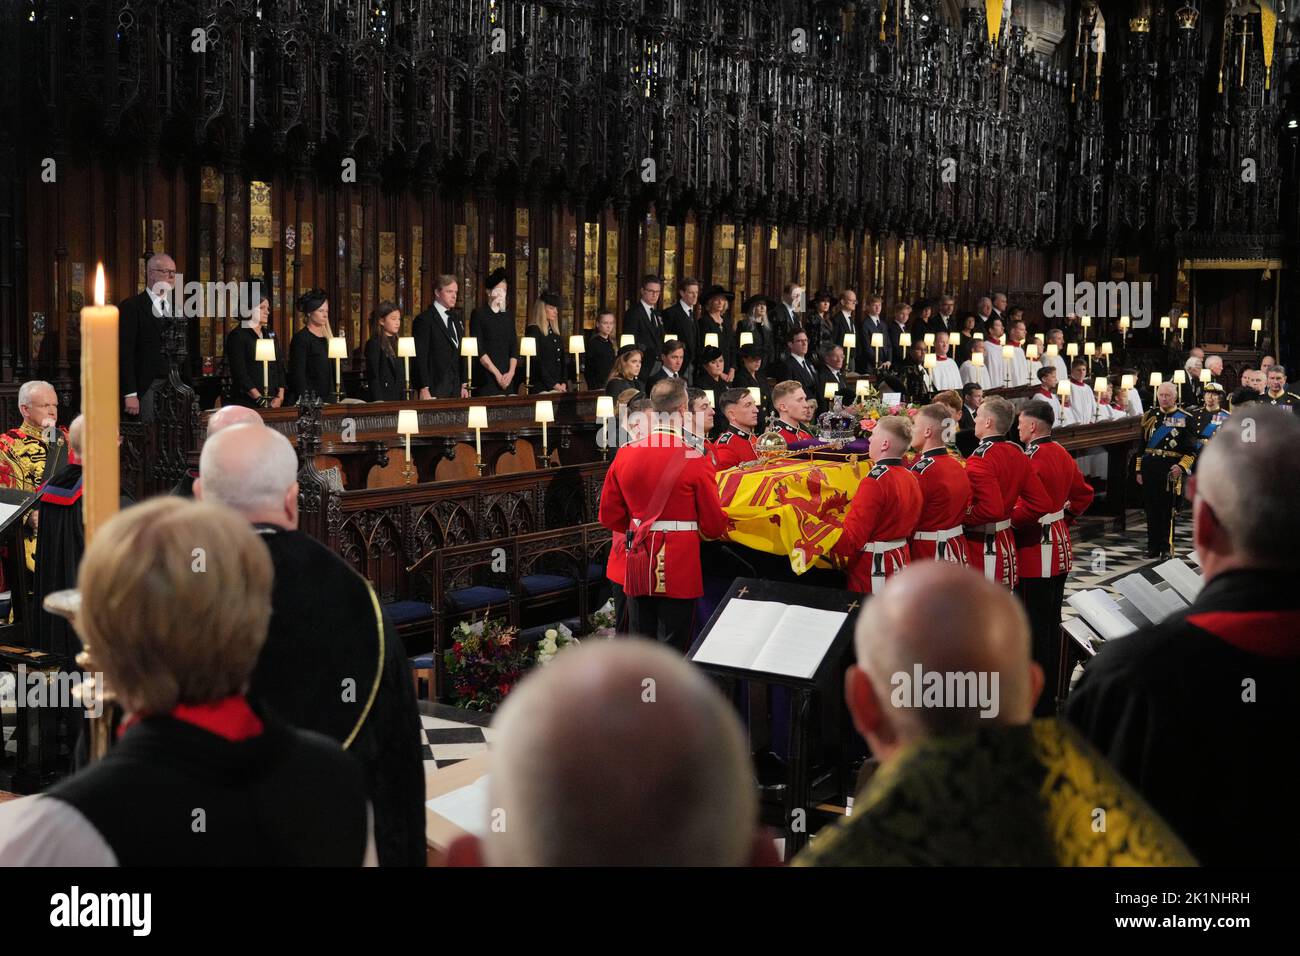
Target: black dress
{"points": [[246, 371], [726, 340], [495, 332], [742, 379], [384, 373], [617, 386], [549, 368], [598, 361], [309, 366]]}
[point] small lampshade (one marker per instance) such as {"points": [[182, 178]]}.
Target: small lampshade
{"points": [[1008, 351], [829, 390], [1099, 385], [746, 338], [1257, 325], [1107, 348], [1156, 379], [1180, 377], [1206, 376], [977, 359], [1125, 322], [546, 410], [877, 340], [905, 340], [756, 394], [1164, 321], [954, 338], [1089, 348], [338, 347], [577, 344], [978, 335], [931, 360], [863, 386], [1052, 351], [710, 340], [1031, 352], [528, 347], [605, 406], [1085, 321], [1182, 322], [929, 340], [1063, 389], [626, 339], [469, 346], [850, 340], [1127, 381], [265, 351], [478, 416], [1072, 350], [408, 422], [708, 397]]}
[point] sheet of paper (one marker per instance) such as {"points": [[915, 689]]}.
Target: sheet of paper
{"points": [[740, 632], [1155, 605], [890, 399], [1184, 580], [7, 511], [1102, 613], [800, 641], [467, 807]]}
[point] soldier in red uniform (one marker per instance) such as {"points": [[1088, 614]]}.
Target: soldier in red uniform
{"points": [[793, 411], [1043, 557], [639, 414], [945, 489], [884, 510], [989, 539], [736, 443], [661, 495]]}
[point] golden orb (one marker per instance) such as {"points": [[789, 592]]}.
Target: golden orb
{"points": [[770, 444]]}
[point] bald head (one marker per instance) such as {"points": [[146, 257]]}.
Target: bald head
{"points": [[76, 436], [620, 752], [982, 658], [252, 469], [228, 415]]}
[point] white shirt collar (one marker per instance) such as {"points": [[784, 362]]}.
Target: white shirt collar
{"points": [[685, 308], [161, 305], [442, 310]]}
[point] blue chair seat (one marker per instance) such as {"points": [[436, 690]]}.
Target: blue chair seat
{"points": [[595, 571], [474, 598], [534, 584], [422, 661], [408, 612]]}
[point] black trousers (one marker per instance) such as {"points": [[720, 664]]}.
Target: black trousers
{"points": [[664, 619], [620, 608], [1159, 500], [1042, 598]]}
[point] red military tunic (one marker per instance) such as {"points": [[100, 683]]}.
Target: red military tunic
{"points": [[881, 518], [945, 501], [1043, 543], [990, 542], [733, 447], [626, 496], [793, 433]]}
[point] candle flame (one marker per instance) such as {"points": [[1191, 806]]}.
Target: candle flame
{"points": [[99, 284]]}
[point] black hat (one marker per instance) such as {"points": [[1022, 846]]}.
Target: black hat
{"points": [[748, 305], [553, 298], [311, 300], [716, 290], [750, 351], [495, 278], [710, 354], [823, 295], [630, 347]]}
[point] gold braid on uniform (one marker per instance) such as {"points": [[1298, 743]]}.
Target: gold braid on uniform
{"points": [[379, 669]]}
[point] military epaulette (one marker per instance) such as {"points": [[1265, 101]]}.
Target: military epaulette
{"points": [[922, 463], [878, 472], [724, 438], [981, 448], [1033, 447]]}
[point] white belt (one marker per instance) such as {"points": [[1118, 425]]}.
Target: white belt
{"points": [[671, 525], [878, 550], [990, 532], [942, 550], [1045, 543], [993, 528]]}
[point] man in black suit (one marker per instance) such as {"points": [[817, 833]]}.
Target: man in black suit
{"points": [[832, 372], [672, 358], [142, 363], [843, 320], [796, 365], [437, 331], [999, 304], [945, 317], [971, 397], [679, 319], [896, 328], [646, 325], [867, 358]]}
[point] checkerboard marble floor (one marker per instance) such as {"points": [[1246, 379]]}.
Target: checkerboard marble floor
{"points": [[448, 736], [1100, 561]]}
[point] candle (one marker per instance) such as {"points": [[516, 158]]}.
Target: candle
{"points": [[406, 352], [469, 349], [408, 424], [265, 353], [746, 338], [101, 403], [546, 414], [528, 348], [338, 352], [577, 345], [1007, 352], [1206, 376], [478, 422], [710, 340], [1125, 323]]}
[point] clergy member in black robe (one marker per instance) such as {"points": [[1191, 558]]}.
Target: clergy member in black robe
{"points": [[333, 664], [58, 553], [494, 327]]}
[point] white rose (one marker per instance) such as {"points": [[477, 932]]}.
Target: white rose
{"points": [[551, 634]]}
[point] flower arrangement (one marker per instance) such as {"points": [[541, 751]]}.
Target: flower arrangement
{"points": [[484, 662], [553, 641], [868, 415], [602, 622]]}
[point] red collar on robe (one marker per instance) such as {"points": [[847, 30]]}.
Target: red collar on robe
{"points": [[990, 339], [231, 718], [1044, 390], [1266, 633]]}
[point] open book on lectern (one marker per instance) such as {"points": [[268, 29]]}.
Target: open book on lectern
{"points": [[756, 629], [13, 505]]}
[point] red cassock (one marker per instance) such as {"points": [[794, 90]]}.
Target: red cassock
{"points": [[692, 509], [1001, 478], [881, 518], [945, 501], [1043, 542], [732, 448]]}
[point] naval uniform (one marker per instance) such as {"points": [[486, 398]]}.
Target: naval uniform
{"points": [[1287, 400], [1169, 440], [881, 518], [1207, 423]]}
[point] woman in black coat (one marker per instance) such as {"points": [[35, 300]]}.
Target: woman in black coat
{"points": [[749, 374], [498, 348], [626, 373], [714, 321], [550, 368], [248, 385], [384, 372], [601, 352], [309, 349]]}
